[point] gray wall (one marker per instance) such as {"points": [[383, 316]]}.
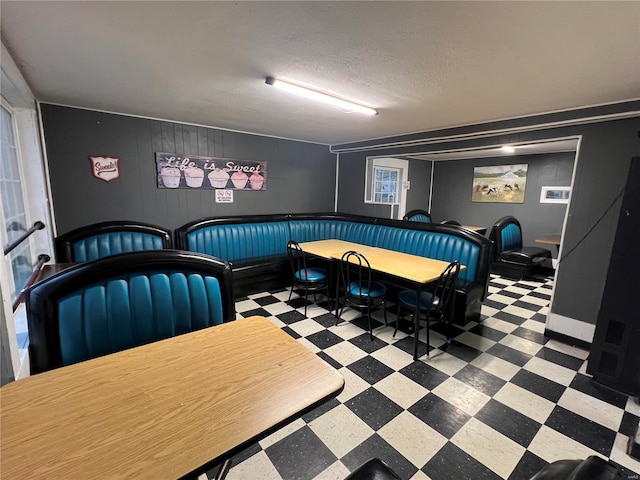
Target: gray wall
{"points": [[300, 176], [301, 179], [351, 187], [603, 161], [452, 194]]}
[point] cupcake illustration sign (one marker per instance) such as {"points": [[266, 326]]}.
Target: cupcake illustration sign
{"points": [[208, 173]]}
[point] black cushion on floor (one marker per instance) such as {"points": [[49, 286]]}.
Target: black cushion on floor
{"points": [[373, 469], [593, 468], [525, 255]]}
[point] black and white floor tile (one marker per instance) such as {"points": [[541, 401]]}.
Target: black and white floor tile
{"points": [[500, 401]]}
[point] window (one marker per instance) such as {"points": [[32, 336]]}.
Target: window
{"points": [[13, 213], [385, 182], [17, 266], [385, 185], [555, 194]]}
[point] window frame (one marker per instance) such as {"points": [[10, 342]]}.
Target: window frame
{"points": [[377, 184], [33, 174], [387, 163], [28, 243]]}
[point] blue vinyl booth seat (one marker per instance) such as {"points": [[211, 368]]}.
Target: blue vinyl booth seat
{"points": [[418, 215], [110, 238], [256, 247], [511, 258], [123, 301]]}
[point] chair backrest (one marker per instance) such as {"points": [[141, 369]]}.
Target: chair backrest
{"points": [[445, 287], [418, 215], [297, 260], [123, 301], [449, 222], [100, 240], [355, 270], [506, 234]]}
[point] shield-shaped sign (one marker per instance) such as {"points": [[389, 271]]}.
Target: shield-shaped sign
{"points": [[105, 168]]}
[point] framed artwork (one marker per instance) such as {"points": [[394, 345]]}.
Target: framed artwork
{"points": [[555, 194], [499, 184], [209, 173]]}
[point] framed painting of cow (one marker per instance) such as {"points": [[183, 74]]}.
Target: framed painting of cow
{"points": [[499, 184]]}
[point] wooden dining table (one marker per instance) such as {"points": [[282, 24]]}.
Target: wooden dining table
{"points": [[416, 269], [162, 410]]}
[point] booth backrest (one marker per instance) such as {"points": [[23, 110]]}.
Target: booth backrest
{"points": [[439, 246], [506, 233], [309, 230], [110, 238], [241, 238], [418, 216], [236, 238], [123, 301]]}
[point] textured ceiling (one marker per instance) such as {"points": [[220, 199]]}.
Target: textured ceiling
{"points": [[423, 65]]}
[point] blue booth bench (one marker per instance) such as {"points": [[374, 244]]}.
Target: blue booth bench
{"points": [[256, 248], [122, 301], [418, 215], [100, 240]]}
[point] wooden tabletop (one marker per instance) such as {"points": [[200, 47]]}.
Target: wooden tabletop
{"points": [[160, 410], [411, 267], [551, 239]]}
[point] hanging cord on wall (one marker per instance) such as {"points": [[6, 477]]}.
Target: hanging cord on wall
{"points": [[584, 237]]}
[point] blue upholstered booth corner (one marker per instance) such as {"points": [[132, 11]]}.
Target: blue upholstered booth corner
{"points": [[255, 246], [123, 301], [510, 257], [418, 216], [100, 240]]}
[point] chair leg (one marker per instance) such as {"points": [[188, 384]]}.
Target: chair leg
{"points": [[386, 324], [399, 316], [369, 318], [428, 334], [339, 310], [224, 469], [290, 293], [306, 296], [328, 298]]}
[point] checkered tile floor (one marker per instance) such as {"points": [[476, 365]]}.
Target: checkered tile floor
{"points": [[499, 401]]}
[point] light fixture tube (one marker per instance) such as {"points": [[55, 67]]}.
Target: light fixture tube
{"points": [[320, 97], [508, 149]]}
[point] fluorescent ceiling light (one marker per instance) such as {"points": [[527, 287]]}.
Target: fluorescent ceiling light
{"points": [[508, 149], [320, 97]]}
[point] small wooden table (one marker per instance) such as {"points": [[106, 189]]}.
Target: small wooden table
{"points": [[479, 230], [419, 270], [162, 410], [551, 239]]}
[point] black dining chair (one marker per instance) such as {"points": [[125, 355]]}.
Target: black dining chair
{"points": [[360, 290], [434, 304], [450, 222], [304, 278]]}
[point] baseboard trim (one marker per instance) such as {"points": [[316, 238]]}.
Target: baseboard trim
{"points": [[561, 337], [570, 327]]}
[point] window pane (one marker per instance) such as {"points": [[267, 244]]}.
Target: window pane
{"points": [[13, 207], [385, 185]]}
